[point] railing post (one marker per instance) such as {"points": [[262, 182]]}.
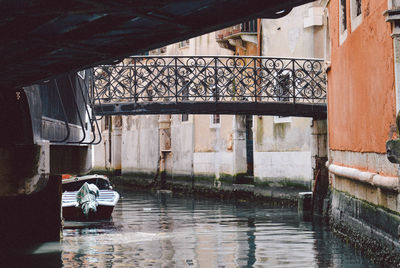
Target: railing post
{"points": [[176, 79], [294, 81], [313, 87], [135, 80], [255, 79], [216, 91]]}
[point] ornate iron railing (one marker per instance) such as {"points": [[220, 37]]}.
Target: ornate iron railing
{"points": [[211, 78]]}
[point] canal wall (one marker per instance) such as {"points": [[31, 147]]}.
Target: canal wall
{"points": [[364, 204], [371, 228], [225, 187]]}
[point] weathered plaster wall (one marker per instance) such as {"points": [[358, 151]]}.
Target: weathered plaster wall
{"points": [[201, 45], [282, 150], [99, 151], [281, 166], [274, 134], [140, 144], [211, 163], [182, 145], [209, 137], [288, 37], [361, 96], [213, 145]]}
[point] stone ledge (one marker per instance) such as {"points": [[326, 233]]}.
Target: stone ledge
{"points": [[243, 187]]}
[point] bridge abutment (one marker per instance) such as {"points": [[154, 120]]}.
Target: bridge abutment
{"points": [[30, 198], [319, 157], [33, 218]]}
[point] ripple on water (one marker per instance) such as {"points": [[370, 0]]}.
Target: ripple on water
{"points": [[155, 230]]}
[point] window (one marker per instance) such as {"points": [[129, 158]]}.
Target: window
{"points": [[215, 121], [342, 21], [185, 117], [282, 119], [158, 51], [355, 13], [358, 10], [184, 43]]}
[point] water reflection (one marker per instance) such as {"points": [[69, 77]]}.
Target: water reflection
{"points": [[158, 230]]}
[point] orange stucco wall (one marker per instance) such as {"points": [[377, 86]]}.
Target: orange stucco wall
{"points": [[361, 94]]}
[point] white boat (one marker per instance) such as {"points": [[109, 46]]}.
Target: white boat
{"points": [[106, 200]]}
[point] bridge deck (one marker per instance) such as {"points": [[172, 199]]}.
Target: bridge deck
{"points": [[316, 111]]}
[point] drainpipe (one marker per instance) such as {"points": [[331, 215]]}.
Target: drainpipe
{"points": [[164, 125]]}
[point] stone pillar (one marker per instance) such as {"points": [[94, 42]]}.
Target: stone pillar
{"points": [[164, 124], [319, 157], [239, 145], [217, 160], [116, 137]]}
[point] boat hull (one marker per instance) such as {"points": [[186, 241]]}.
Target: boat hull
{"points": [[75, 213]]}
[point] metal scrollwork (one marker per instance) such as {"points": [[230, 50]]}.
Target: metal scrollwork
{"points": [[211, 78]]}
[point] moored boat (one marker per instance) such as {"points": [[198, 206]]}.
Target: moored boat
{"points": [[106, 198]]}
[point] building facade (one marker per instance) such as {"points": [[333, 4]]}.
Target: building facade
{"points": [[362, 107]]}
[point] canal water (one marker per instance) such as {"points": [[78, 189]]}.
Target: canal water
{"points": [[161, 230]]}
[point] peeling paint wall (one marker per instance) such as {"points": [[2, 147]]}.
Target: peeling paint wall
{"points": [[361, 81]]}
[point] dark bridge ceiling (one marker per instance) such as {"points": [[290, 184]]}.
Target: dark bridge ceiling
{"points": [[44, 38]]}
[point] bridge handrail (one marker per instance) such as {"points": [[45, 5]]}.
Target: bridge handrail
{"points": [[216, 78], [211, 56]]}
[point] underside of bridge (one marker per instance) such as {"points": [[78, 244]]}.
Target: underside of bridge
{"points": [[44, 39]]}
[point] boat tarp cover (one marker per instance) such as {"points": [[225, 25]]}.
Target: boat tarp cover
{"points": [[86, 197]]}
